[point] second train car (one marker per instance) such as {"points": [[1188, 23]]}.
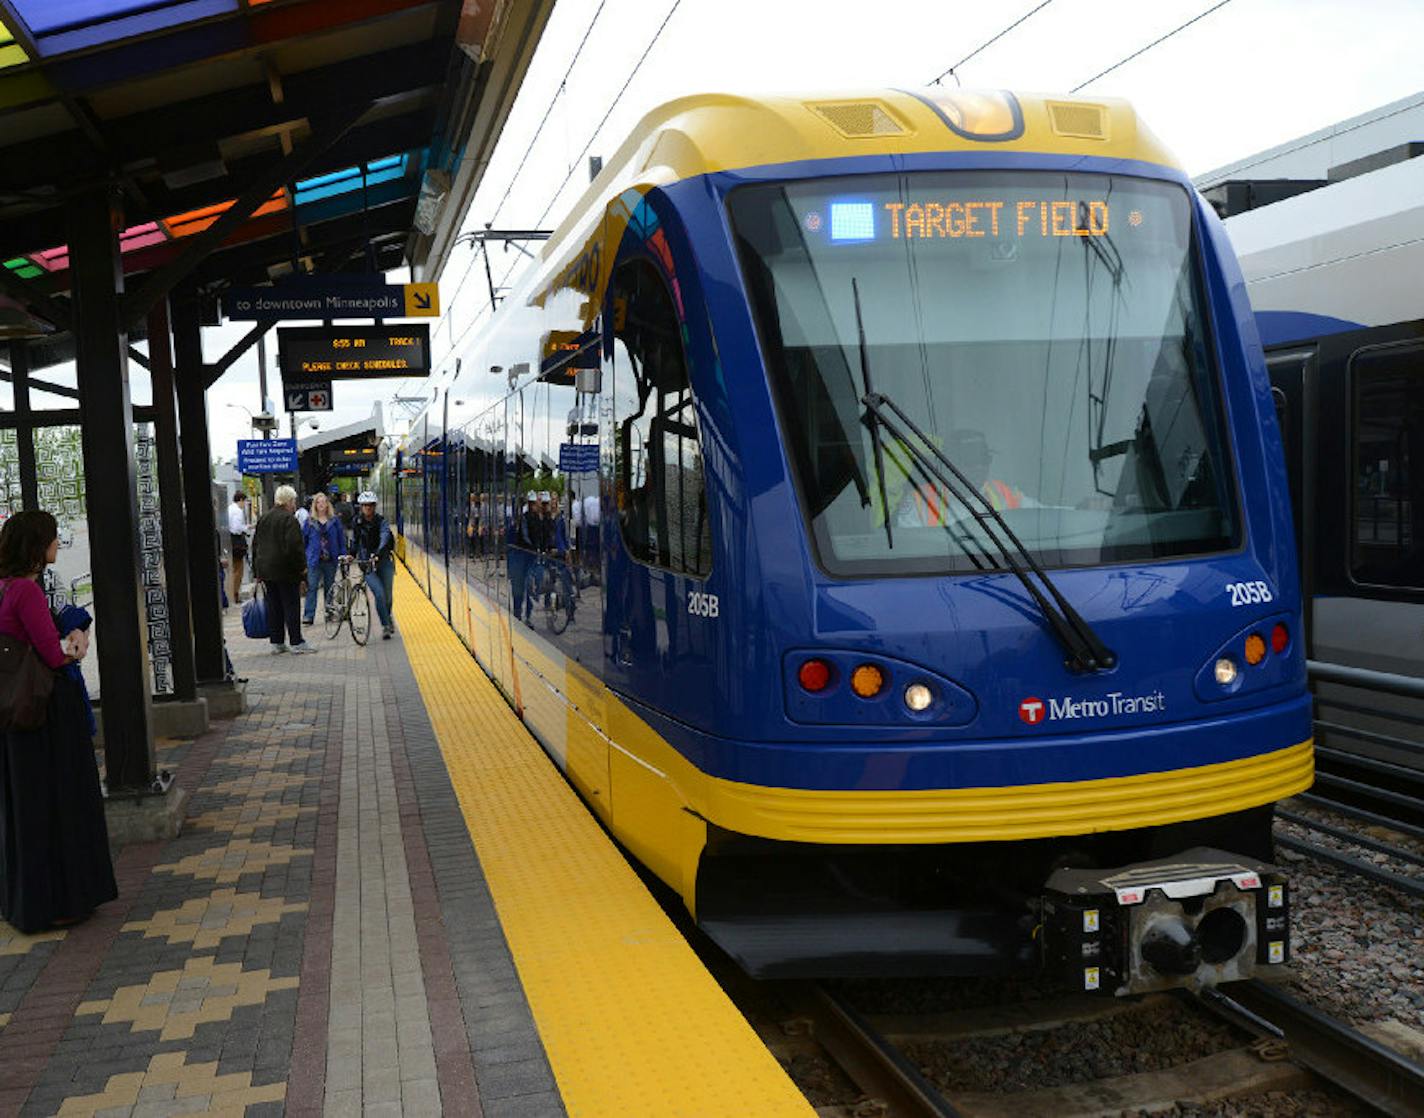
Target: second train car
{"points": [[925, 598]]}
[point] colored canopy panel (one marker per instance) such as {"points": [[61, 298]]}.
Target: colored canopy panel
{"points": [[349, 178], [59, 26], [11, 53]]}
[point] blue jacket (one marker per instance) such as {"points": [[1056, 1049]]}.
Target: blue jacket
{"points": [[335, 538]]}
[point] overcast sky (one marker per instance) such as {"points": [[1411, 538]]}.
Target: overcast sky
{"points": [[1246, 77]]}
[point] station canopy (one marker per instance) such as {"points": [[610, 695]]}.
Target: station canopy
{"points": [[354, 131]]}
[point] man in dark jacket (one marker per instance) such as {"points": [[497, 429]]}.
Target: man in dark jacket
{"points": [[279, 560]]}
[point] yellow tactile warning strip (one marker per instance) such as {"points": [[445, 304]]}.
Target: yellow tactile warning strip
{"points": [[632, 1022]]}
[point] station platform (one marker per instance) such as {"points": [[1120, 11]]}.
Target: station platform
{"points": [[385, 900]]}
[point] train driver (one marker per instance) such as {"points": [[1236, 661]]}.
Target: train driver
{"points": [[922, 504]]}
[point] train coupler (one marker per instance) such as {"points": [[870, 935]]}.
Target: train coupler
{"points": [[1196, 919]]}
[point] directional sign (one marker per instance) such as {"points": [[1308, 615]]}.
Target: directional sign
{"points": [[577, 458], [337, 299], [267, 456], [422, 300], [307, 395], [308, 353]]}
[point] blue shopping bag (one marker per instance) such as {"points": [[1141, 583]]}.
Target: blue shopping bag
{"points": [[254, 616]]}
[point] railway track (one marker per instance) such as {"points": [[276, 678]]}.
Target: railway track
{"points": [[1286, 1046]]}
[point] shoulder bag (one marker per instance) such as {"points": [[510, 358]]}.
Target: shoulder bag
{"points": [[26, 683], [254, 614]]}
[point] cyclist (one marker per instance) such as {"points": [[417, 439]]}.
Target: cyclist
{"points": [[559, 541], [372, 538]]}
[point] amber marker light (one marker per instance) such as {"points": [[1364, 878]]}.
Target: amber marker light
{"points": [[1255, 649], [814, 675], [867, 681], [1280, 638]]}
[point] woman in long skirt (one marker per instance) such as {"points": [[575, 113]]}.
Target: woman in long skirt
{"points": [[55, 866]]}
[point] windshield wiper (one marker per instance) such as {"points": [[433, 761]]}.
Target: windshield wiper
{"points": [[1086, 650], [874, 428]]}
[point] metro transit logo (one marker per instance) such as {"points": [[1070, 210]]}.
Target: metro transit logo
{"points": [[1032, 710]]}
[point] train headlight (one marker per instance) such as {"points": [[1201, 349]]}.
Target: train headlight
{"points": [[918, 697], [1226, 671], [1255, 649], [867, 681]]}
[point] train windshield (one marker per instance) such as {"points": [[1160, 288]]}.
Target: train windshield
{"points": [[1044, 329]]}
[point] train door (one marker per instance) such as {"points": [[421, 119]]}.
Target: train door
{"points": [[657, 537]]}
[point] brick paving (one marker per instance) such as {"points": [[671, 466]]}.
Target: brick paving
{"points": [[318, 940]]}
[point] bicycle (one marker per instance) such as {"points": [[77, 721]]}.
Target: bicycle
{"points": [[350, 601], [544, 582]]}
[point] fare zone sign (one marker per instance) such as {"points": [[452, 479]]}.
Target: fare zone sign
{"points": [[326, 353]]}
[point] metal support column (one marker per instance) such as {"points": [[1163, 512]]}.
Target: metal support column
{"points": [[24, 425], [203, 571], [111, 490], [170, 500]]}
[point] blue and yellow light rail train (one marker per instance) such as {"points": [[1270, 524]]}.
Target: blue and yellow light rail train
{"points": [[925, 596]]}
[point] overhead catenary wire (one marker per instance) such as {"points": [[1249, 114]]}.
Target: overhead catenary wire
{"points": [[633, 73], [1155, 42], [988, 43], [563, 83], [534, 139], [593, 136]]}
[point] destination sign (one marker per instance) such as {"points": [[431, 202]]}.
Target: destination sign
{"points": [[325, 353], [986, 217]]}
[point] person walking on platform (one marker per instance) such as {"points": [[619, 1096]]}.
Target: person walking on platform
{"points": [[55, 867], [279, 561], [373, 539], [325, 543], [237, 529], [344, 512]]}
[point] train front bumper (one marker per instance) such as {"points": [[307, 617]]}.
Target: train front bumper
{"points": [[1196, 919]]}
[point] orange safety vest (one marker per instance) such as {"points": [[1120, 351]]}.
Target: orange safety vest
{"points": [[999, 494]]}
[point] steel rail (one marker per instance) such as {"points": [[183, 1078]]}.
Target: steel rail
{"points": [[875, 1065], [1315, 799], [1370, 790], [1365, 1068], [1388, 849], [1414, 886]]}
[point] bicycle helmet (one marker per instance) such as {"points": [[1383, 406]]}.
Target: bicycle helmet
{"points": [[366, 498]]}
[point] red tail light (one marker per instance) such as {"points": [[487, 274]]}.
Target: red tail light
{"points": [[1280, 638], [814, 675]]}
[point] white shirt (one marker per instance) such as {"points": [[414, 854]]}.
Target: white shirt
{"points": [[591, 510], [236, 519]]}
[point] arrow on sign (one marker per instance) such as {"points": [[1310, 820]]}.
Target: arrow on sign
{"points": [[296, 401], [422, 300]]}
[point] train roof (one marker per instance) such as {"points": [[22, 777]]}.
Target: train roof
{"points": [[709, 132], [1351, 253]]}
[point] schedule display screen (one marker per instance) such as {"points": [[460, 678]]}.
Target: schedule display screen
{"points": [[353, 352]]}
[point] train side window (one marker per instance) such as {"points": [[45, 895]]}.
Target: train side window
{"points": [[1387, 525], [659, 482]]}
